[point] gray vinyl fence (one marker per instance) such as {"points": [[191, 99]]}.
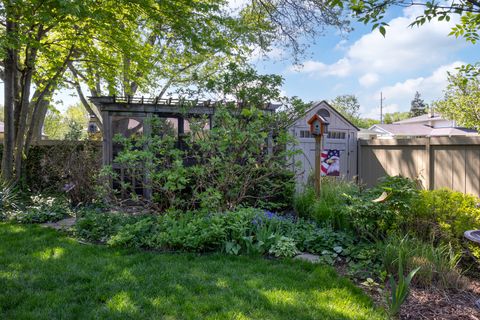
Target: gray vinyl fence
{"points": [[438, 162]]}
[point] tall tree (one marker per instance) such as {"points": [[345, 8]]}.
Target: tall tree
{"points": [[461, 101], [42, 39], [390, 118], [124, 47], [294, 21], [57, 124], [348, 106], [417, 106]]}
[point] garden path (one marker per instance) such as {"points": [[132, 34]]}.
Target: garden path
{"points": [[61, 225]]}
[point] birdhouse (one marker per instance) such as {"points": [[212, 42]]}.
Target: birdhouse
{"points": [[318, 125]]}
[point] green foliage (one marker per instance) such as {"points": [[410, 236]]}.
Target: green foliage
{"points": [[41, 209], [348, 106], [217, 169], [246, 85], [97, 226], [330, 208], [71, 125], [418, 106], [284, 247], [399, 291], [8, 197], [390, 118], [244, 231], [444, 215], [461, 101], [374, 220], [366, 123], [438, 263]]}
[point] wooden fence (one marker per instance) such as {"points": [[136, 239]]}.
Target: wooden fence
{"points": [[452, 162]]}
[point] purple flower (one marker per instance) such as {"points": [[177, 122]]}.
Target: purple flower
{"points": [[68, 187]]}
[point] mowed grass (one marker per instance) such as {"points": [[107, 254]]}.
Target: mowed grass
{"points": [[45, 275]]}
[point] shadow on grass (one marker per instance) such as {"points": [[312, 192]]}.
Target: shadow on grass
{"points": [[44, 275]]}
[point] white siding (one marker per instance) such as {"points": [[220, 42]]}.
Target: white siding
{"points": [[345, 140]]}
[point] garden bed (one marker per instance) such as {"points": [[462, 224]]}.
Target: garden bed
{"points": [[432, 303], [443, 304]]}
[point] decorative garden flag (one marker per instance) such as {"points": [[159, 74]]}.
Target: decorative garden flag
{"points": [[330, 160]]}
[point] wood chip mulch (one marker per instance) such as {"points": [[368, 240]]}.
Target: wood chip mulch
{"points": [[435, 304], [438, 304]]}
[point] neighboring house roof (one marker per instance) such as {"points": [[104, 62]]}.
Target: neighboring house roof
{"points": [[452, 132], [420, 130], [404, 129], [422, 118], [317, 104]]}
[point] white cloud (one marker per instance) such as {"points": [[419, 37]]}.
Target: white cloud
{"points": [[341, 45], [430, 87], [399, 95], [373, 112], [341, 68], [402, 50], [368, 79], [274, 54]]}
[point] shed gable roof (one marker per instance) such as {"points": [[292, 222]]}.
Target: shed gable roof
{"points": [[325, 103]]}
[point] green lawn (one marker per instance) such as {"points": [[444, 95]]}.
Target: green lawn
{"points": [[45, 275]]}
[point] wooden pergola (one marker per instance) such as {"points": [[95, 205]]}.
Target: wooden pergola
{"points": [[121, 115]]}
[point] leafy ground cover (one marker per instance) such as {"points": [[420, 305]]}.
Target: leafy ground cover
{"points": [[44, 275]]}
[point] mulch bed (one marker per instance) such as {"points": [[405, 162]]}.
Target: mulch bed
{"points": [[443, 304], [432, 303]]}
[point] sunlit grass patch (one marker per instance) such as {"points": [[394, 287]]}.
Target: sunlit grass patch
{"points": [[44, 275]]}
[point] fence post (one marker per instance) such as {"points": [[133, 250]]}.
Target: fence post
{"points": [[427, 160]]}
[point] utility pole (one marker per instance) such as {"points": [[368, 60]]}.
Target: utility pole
{"points": [[381, 107]]}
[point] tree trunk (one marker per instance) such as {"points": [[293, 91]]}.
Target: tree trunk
{"points": [[83, 100], [9, 97], [37, 111], [23, 113]]}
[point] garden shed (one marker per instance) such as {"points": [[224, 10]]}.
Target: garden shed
{"points": [[339, 146]]}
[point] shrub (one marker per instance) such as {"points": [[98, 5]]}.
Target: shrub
{"points": [[374, 220], [444, 215], [67, 166], [8, 197], [284, 247], [41, 209], [97, 226], [218, 170]]}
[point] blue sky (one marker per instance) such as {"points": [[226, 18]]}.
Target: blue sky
{"points": [[364, 63]]}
